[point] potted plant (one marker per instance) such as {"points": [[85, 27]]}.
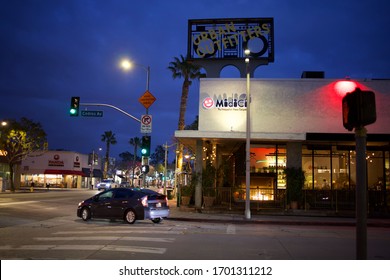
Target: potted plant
{"points": [[295, 180], [208, 185], [186, 192]]}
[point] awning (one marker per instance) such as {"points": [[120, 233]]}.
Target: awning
{"points": [[96, 173], [64, 172]]}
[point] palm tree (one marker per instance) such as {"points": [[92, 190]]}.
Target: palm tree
{"points": [[110, 139], [182, 68], [136, 142]]}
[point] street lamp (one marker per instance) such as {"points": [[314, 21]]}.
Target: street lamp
{"points": [[248, 139], [127, 65]]}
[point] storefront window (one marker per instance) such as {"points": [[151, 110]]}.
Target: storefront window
{"points": [[340, 168], [317, 166], [375, 170], [267, 164]]}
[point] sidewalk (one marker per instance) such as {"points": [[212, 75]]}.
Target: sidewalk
{"points": [[276, 217]]}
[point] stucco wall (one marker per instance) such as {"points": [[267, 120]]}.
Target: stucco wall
{"points": [[286, 106]]}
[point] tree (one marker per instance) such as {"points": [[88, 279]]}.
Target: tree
{"points": [[183, 68], [109, 138], [128, 164], [20, 139], [158, 156], [194, 125], [136, 142]]}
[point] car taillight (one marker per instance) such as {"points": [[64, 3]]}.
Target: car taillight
{"points": [[144, 201]]}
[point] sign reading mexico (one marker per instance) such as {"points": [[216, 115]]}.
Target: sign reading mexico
{"points": [[229, 38]]}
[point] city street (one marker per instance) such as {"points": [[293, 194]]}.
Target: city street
{"points": [[44, 225]]}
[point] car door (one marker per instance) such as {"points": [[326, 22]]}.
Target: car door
{"points": [[102, 206], [119, 202]]}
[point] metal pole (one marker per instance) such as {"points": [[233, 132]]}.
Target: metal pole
{"points": [[165, 168], [147, 78], [248, 143], [91, 171], [361, 194]]}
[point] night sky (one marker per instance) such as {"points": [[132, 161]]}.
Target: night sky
{"points": [[51, 50]]}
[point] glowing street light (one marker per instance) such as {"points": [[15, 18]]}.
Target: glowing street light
{"points": [[127, 65]]}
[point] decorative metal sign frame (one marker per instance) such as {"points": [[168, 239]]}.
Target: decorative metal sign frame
{"points": [[229, 38]]}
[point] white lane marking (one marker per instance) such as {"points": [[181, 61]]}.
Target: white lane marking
{"points": [[106, 238], [17, 203], [136, 249], [231, 229]]}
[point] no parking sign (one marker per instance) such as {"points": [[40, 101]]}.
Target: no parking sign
{"points": [[146, 124]]}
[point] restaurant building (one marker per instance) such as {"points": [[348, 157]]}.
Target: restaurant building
{"points": [[294, 123], [61, 169]]}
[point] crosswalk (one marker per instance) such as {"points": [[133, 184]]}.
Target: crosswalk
{"points": [[132, 239]]}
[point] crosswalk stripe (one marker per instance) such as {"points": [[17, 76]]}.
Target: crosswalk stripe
{"points": [[44, 247], [231, 229], [106, 238], [150, 231]]}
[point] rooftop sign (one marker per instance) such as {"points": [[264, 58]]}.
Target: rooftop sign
{"points": [[228, 38]]}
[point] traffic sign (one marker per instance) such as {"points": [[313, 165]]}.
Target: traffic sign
{"points": [[92, 113], [147, 99], [146, 124]]}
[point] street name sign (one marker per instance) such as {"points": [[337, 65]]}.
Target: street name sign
{"points": [[86, 113]]}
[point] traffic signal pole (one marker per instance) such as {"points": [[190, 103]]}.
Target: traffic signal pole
{"points": [[361, 193]]}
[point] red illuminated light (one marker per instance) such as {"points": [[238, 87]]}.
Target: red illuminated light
{"points": [[343, 87]]}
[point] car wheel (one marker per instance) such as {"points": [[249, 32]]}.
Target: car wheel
{"points": [[156, 220], [130, 216], [85, 214]]}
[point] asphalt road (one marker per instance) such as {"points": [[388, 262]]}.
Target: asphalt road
{"points": [[43, 225]]}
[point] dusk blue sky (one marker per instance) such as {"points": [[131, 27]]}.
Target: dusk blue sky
{"points": [[51, 50]]}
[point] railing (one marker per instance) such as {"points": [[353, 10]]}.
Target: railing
{"points": [[335, 200]]}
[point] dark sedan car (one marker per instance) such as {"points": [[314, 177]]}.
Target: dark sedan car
{"points": [[125, 203]]}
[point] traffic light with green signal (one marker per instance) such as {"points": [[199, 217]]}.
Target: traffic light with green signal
{"points": [[74, 106], [145, 146]]}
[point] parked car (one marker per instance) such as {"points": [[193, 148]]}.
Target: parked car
{"points": [[125, 185], [127, 204], [106, 184]]}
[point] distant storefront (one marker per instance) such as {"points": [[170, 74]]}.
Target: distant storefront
{"points": [[63, 169], [294, 123]]}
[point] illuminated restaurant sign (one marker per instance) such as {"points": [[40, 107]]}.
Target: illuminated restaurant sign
{"points": [[235, 102], [56, 161], [228, 38]]}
